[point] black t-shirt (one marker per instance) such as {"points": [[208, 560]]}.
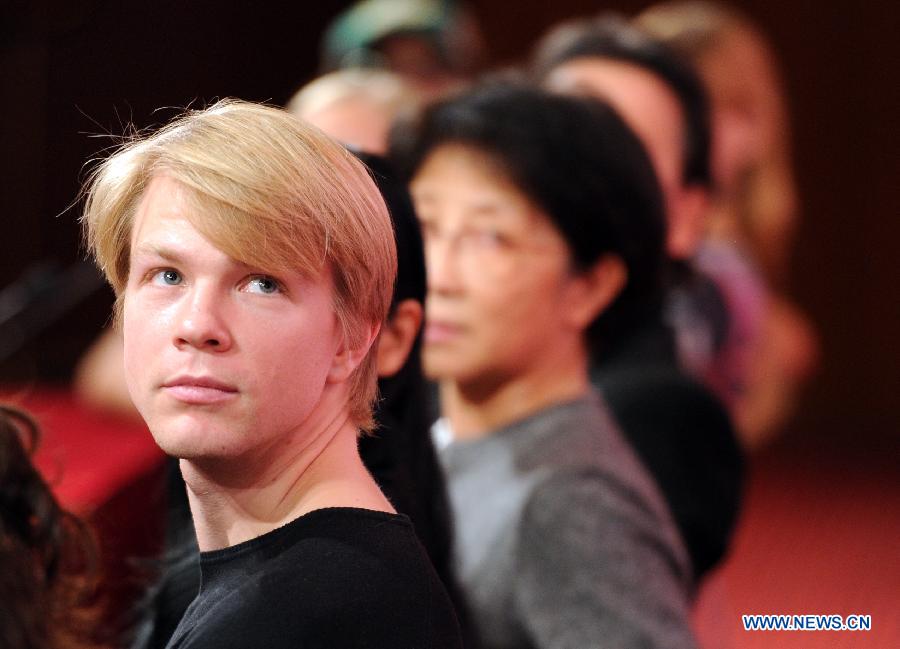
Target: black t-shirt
{"points": [[333, 578]]}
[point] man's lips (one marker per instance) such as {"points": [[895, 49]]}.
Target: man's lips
{"points": [[199, 390]]}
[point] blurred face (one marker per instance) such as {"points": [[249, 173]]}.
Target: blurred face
{"points": [[420, 65], [644, 102], [654, 113], [747, 110], [221, 359], [500, 284], [356, 122]]}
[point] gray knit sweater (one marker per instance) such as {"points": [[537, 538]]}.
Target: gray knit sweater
{"points": [[562, 540]]}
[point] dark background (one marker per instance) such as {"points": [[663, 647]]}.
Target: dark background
{"points": [[71, 71]]}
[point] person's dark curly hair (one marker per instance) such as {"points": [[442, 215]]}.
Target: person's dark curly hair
{"points": [[45, 552]]}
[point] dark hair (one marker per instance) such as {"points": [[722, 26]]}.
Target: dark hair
{"points": [[45, 552], [410, 282], [575, 159], [611, 37], [400, 455]]}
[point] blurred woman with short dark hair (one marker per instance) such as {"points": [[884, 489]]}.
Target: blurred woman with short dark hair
{"points": [[543, 230]]}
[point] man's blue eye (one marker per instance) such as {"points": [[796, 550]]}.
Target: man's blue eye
{"points": [[263, 284], [169, 277]]}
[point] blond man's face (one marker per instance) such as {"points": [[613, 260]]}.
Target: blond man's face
{"points": [[222, 360]]}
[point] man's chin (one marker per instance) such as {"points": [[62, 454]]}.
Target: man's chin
{"points": [[181, 449], [187, 441]]}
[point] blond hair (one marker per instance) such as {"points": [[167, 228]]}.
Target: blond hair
{"points": [[270, 191], [382, 88]]}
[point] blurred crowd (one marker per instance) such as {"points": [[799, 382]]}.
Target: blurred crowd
{"points": [[589, 332]]}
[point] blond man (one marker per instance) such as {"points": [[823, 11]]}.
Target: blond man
{"points": [[253, 260]]}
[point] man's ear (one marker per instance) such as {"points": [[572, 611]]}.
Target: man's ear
{"points": [[687, 221], [348, 357], [397, 337], [595, 289]]}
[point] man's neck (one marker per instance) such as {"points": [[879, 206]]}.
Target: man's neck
{"points": [[476, 409], [237, 499]]}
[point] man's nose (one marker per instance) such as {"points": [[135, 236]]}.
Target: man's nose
{"points": [[201, 321]]}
